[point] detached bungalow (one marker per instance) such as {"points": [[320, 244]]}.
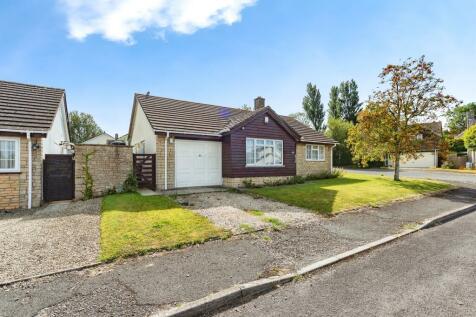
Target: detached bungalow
{"points": [[33, 123], [198, 144]]}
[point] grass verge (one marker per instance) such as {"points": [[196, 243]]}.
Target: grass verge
{"points": [[132, 224], [331, 196]]}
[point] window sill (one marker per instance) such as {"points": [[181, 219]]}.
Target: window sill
{"points": [[10, 172], [307, 160], [265, 166]]}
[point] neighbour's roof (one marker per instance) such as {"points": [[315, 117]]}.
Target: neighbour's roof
{"points": [[179, 116], [28, 107], [433, 127]]}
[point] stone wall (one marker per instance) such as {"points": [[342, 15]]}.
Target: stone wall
{"points": [[160, 163], [109, 166], [236, 182], [305, 167], [14, 186]]}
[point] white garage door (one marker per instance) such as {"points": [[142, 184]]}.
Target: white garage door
{"points": [[426, 160], [197, 163]]}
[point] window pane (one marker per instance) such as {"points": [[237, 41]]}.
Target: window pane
{"points": [[269, 153], [278, 153], [7, 154], [259, 153], [321, 152], [308, 152], [250, 152]]}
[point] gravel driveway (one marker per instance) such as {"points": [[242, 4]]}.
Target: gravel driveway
{"points": [[57, 236], [230, 210]]}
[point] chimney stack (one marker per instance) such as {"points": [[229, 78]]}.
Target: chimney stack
{"points": [[259, 103]]}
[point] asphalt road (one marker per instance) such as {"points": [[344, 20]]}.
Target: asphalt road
{"points": [[461, 179], [430, 273]]}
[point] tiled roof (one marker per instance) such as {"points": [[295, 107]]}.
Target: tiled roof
{"points": [[307, 134], [180, 116], [28, 107]]}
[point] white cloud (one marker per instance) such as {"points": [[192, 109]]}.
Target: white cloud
{"points": [[118, 20]]}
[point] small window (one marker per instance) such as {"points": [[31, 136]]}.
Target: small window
{"points": [[315, 152], [261, 152], [9, 155], [419, 137]]}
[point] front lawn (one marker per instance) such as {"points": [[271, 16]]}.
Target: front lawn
{"points": [[331, 196], [134, 224]]}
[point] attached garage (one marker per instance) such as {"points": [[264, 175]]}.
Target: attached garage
{"points": [[197, 163]]}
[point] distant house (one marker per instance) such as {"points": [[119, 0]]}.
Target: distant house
{"points": [[198, 144], [100, 139], [104, 139], [430, 139], [33, 123]]}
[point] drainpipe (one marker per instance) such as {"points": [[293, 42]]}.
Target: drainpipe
{"points": [[30, 169], [166, 158], [332, 156]]}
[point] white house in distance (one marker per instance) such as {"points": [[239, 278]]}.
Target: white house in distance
{"points": [[33, 123], [105, 138]]}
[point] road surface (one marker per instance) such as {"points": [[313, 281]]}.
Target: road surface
{"points": [[430, 273]]}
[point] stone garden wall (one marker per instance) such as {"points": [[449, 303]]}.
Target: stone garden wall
{"points": [[109, 166]]}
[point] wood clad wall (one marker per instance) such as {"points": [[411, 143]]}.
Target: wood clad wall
{"points": [[234, 149]]}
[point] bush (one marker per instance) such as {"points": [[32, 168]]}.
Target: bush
{"points": [[130, 184], [448, 165], [248, 183]]}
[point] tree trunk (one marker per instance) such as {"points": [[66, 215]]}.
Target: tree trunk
{"points": [[396, 169]]}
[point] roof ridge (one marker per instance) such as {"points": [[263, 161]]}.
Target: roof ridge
{"points": [[31, 85], [190, 101]]}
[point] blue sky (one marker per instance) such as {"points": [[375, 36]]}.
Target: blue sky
{"points": [[270, 48]]}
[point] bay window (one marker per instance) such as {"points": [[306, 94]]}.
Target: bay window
{"points": [[9, 154], [315, 152], [263, 152]]}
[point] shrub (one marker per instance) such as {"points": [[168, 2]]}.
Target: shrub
{"points": [[248, 183], [88, 178], [448, 165], [130, 184]]}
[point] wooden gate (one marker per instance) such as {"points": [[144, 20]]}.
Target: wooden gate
{"points": [[58, 177], [144, 170]]}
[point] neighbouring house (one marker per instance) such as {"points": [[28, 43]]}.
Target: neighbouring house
{"points": [[105, 139], [430, 139], [33, 123], [470, 121], [198, 144]]}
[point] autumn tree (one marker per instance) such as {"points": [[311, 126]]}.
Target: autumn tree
{"points": [[409, 93], [313, 107], [82, 127]]}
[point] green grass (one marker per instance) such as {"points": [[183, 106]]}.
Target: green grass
{"points": [[331, 196], [276, 224], [247, 228], [133, 224], [257, 213]]}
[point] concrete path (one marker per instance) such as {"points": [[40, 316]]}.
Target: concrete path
{"points": [[429, 273], [141, 285]]}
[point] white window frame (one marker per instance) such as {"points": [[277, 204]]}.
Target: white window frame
{"points": [[16, 169], [275, 142], [321, 149]]}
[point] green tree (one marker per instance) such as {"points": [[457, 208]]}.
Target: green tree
{"points": [[301, 117], [82, 127], [334, 105], [410, 93], [349, 100], [457, 117], [313, 107], [469, 138], [338, 129]]}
